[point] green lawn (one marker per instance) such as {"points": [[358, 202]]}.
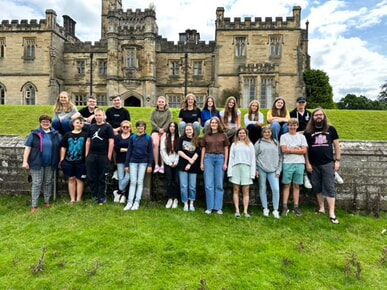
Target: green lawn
{"points": [[88, 246], [351, 125]]}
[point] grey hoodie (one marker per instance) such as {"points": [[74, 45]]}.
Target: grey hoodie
{"points": [[268, 155]]}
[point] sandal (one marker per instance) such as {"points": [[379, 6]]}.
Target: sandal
{"points": [[319, 212], [334, 220]]}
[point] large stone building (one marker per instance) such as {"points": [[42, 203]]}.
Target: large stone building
{"points": [[260, 59]]}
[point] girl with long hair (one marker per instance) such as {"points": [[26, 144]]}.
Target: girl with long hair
{"points": [[231, 117], [168, 150], [241, 169], [278, 118], [254, 121], [209, 111], [189, 113], [65, 111]]}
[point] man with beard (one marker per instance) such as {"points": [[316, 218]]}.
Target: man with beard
{"points": [[323, 159]]}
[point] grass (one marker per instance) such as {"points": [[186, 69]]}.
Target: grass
{"points": [[351, 125], [87, 246]]}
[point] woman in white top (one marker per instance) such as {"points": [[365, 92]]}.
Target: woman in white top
{"points": [[241, 169], [254, 121], [168, 151]]}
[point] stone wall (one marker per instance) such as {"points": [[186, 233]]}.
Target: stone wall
{"points": [[363, 168]]}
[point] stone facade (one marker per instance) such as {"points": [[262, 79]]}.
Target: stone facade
{"points": [[363, 168], [262, 59]]}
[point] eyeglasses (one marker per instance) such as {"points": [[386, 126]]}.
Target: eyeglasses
{"points": [[125, 127]]}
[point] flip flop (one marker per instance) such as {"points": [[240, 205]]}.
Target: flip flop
{"points": [[334, 220], [319, 212]]}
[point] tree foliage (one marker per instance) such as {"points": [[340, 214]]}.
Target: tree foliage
{"points": [[353, 102], [318, 89], [382, 97]]}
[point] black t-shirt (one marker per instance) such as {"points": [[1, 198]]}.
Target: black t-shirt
{"points": [[302, 119], [115, 116], [320, 150], [75, 144], [185, 145], [190, 116], [86, 113], [99, 138]]}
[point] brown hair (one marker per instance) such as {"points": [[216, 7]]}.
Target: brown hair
{"points": [[280, 113]]}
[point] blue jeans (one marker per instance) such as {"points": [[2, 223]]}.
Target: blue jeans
{"points": [[182, 125], [213, 180], [62, 127], [123, 177], [187, 185], [274, 184], [278, 129], [137, 174]]}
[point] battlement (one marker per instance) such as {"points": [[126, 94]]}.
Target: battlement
{"points": [[86, 47], [290, 22], [15, 24], [201, 46]]}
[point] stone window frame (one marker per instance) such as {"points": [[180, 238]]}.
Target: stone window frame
{"points": [[2, 47], [275, 43], [30, 45], [240, 42], [80, 99], [81, 67], [174, 100], [29, 94], [131, 57], [198, 67], [174, 67], [267, 95], [249, 89], [2, 94], [102, 67], [101, 99]]}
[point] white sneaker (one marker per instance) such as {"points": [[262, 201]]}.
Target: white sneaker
{"points": [[191, 208], [266, 212], [135, 206], [169, 203], [116, 196], [208, 211], [122, 199], [175, 203], [276, 214], [338, 178], [219, 211], [186, 207], [307, 183], [157, 168], [128, 206]]}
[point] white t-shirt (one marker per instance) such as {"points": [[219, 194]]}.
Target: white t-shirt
{"points": [[294, 142]]}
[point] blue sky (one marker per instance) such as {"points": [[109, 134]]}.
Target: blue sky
{"points": [[347, 39]]}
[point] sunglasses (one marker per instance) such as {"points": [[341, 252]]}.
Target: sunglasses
{"points": [[125, 127]]}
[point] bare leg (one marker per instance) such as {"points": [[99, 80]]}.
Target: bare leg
{"points": [[285, 194], [246, 197], [331, 204], [156, 141], [296, 194], [80, 188], [320, 201], [236, 197], [72, 188]]}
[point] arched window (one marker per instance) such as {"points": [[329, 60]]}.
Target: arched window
{"points": [[2, 94], [29, 94]]}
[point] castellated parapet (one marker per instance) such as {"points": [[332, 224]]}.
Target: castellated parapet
{"points": [[43, 25], [291, 22], [200, 46]]}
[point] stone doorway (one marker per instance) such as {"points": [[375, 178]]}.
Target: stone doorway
{"points": [[132, 102]]}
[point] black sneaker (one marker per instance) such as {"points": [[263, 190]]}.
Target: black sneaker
{"points": [[284, 211], [297, 211]]}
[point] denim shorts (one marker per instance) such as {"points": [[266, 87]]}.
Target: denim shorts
{"points": [[241, 175], [293, 173]]}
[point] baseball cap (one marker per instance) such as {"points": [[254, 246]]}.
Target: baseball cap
{"points": [[301, 100]]}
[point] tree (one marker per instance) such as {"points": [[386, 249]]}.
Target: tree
{"points": [[318, 90], [353, 102], [382, 98]]}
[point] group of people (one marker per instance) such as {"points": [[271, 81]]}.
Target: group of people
{"points": [[85, 144]]}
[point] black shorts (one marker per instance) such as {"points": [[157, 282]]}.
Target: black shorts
{"points": [[77, 170]]}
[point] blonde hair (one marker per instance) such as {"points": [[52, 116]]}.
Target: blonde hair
{"points": [[184, 104], [162, 98], [59, 107], [247, 139]]}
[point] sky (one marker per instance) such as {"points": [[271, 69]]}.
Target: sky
{"points": [[347, 39]]}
